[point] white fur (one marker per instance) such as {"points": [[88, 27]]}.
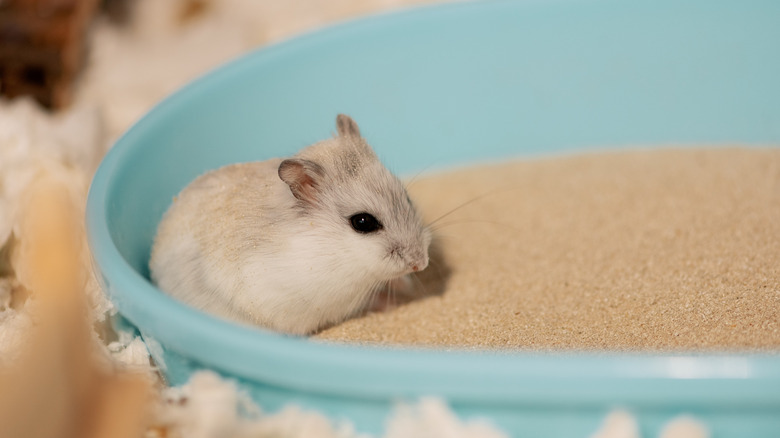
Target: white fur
{"points": [[238, 243]]}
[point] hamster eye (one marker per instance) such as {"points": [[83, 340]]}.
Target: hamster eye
{"points": [[364, 223]]}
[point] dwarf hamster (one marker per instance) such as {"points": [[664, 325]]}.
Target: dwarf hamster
{"points": [[293, 245]]}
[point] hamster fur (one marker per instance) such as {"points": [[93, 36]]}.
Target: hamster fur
{"points": [[274, 243]]}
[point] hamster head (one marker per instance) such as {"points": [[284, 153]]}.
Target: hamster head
{"points": [[363, 213]]}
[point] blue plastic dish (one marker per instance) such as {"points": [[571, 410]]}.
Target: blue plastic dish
{"points": [[444, 86]]}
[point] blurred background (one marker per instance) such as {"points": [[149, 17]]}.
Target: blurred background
{"points": [[74, 75], [124, 55]]}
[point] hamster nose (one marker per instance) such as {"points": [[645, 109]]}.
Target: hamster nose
{"points": [[419, 262]]}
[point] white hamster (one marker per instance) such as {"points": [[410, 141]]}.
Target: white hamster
{"points": [[292, 245]]}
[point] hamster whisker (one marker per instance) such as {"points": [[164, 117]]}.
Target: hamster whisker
{"points": [[373, 292], [414, 178], [471, 201], [391, 294], [441, 272], [444, 236], [420, 283], [470, 221], [434, 263]]}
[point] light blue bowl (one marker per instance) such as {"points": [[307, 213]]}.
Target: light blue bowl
{"points": [[438, 87]]}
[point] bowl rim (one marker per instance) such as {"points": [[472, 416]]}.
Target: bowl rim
{"points": [[374, 372]]}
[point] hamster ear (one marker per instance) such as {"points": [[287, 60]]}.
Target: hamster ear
{"points": [[346, 126], [303, 177]]}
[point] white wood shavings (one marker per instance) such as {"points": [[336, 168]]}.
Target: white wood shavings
{"points": [[130, 351], [294, 422], [171, 46], [684, 427], [618, 424], [32, 141], [432, 417], [35, 144], [14, 323], [621, 424], [211, 407], [29, 133]]}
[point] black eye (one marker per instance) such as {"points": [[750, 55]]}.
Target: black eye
{"points": [[364, 223]]}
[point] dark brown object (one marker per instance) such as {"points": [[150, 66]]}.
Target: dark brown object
{"points": [[192, 10], [43, 47], [118, 11]]}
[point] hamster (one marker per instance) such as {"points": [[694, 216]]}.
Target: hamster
{"points": [[293, 245]]}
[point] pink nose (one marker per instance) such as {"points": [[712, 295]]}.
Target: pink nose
{"points": [[415, 268]]}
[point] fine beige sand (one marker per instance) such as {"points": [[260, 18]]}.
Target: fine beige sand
{"points": [[656, 250]]}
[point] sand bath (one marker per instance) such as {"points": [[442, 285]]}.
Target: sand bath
{"points": [[644, 250]]}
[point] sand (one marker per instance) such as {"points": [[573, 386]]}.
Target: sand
{"points": [[647, 250]]}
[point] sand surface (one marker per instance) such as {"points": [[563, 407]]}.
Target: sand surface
{"points": [[643, 250]]}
